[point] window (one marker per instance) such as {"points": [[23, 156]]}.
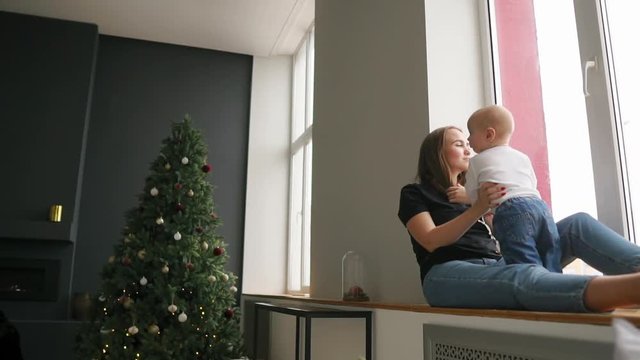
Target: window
{"points": [[565, 69], [299, 267]]}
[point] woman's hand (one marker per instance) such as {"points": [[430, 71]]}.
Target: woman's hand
{"points": [[489, 195], [457, 194], [432, 237]]}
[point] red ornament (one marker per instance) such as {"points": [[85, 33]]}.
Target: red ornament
{"points": [[190, 265], [218, 251], [179, 207], [199, 229], [126, 261], [178, 186], [206, 168], [229, 313]]}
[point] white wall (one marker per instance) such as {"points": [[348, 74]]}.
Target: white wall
{"points": [[265, 234], [454, 61]]}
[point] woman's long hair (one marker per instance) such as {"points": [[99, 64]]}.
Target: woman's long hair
{"points": [[432, 166]]}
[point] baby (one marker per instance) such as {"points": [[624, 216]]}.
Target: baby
{"points": [[522, 222]]}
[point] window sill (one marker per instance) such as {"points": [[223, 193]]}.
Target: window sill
{"points": [[632, 315]]}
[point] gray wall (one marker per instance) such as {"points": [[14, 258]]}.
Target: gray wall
{"points": [[46, 71], [370, 116], [140, 87]]}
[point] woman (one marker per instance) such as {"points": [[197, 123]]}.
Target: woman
{"points": [[460, 263]]}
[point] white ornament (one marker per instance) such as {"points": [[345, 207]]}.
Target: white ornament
{"points": [[133, 330], [205, 245], [211, 279], [182, 317], [172, 308], [225, 277], [167, 166], [153, 329], [111, 259], [233, 289], [165, 269], [177, 236], [185, 160], [141, 254], [154, 191], [190, 193], [143, 281], [102, 298], [160, 220]]}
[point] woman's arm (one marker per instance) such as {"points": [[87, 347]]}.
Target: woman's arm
{"points": [[431, 237]]}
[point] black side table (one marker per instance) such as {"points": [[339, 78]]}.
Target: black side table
{"points": [[308, 313]]}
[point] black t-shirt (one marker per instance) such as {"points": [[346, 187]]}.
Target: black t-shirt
{"points": [[477, 242]]}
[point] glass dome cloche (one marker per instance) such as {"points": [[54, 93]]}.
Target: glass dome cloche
{"points": [[353, 277]]}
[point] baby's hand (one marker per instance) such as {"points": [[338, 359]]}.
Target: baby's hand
{"points": [[457, 194]]}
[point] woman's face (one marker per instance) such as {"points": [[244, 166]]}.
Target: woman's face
{"points": [[456, 150]]}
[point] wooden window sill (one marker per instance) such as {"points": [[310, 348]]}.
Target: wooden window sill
{"points": [[632, 315]]}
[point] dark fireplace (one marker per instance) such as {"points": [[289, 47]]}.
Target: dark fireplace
{"points": [[29, 279]]}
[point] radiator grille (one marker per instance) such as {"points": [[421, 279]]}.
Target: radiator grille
{"points": [[456, 352]]}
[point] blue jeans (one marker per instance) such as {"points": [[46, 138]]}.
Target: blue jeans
{"points": [[492, 284], [527, 233]]}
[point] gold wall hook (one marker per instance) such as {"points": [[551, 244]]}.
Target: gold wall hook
{"points": [[55, 213]]}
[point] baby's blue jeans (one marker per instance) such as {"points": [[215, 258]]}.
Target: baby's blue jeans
{"points": [[492, 284], [527, 233]]}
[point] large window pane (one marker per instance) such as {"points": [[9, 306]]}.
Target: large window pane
{"points": [[540, 81], [299, 266], [295, 222], [564, 110], [310, 77], [299, 94], [306, 237], [623, 28]]}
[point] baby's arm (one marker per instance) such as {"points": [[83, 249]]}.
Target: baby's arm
{"points": [[458, 194]]}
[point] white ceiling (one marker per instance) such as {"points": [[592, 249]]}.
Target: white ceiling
{"points": [[253, 27]]}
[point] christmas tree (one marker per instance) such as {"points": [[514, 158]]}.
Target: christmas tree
{"points": [[165, 293]]}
